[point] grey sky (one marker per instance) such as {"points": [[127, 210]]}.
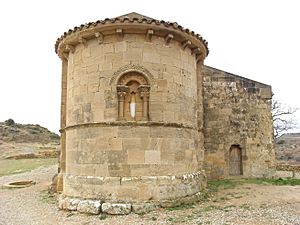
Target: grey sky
{"points": [[253, 38]]}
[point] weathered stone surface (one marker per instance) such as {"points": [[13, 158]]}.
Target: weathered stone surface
{"points": [[116, 208], [237, 115], [141, 117], [142, 208], [89, 206], [68, 203]]}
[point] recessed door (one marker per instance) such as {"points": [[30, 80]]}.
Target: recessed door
{"points": [[235, 161]]}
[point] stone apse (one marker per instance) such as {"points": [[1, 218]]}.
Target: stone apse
{"points": [[142, 118]]}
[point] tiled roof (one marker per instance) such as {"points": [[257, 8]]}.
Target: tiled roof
{"points": [[132, 18]]}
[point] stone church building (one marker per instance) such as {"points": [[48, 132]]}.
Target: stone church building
{"points": [[144, 121]]}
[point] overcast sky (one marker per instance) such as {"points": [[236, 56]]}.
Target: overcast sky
{"points": [[258, 39]]}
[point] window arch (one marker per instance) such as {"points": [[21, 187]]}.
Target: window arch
{"points": [[133, 97]]}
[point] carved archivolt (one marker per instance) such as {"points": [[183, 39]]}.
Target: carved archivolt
{"points": [[132, 68], [132, 76]]}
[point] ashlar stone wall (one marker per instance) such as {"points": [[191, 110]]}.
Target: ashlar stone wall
{"points": [[94, 69], [237, 113], [115, 160], [143, 120]]}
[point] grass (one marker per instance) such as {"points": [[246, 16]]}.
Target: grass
{"points": [[12, 166], [102, 217], [245, 206], [216, 185], [279, 181], [210, 208], [48, 197], [181, 207]]}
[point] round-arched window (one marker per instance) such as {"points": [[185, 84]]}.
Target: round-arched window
{"points": [[133, 97]]}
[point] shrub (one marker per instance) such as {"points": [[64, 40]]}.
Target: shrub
{"points": [[9, 122]]}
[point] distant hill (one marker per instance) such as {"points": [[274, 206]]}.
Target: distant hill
{"points": [[291, 138], [27, 140], [288, 148], [26, 133]]}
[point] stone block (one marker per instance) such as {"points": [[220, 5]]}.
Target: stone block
{"points": [[266, 92], [132, 56], [116, 157], [139, 170], [135, 156], [151, 57], [167, 156], [129, 192], [139, 144], [121, 46], [156, 116], [68, 203], [89, 206], [113, 57], [119, 170], [107, 48], [283, 174], [116, 208], [115, 144], [152, 157], [142, 208]]}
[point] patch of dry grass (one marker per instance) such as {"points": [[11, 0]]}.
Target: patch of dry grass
{"points": [[12, 166]]}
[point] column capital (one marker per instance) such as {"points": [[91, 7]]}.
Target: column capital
{"points": [[144, 90], [122, 90]]}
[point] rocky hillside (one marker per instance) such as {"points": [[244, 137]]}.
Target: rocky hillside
{"points": [[26, 133], [288, 148], [26, 139]]}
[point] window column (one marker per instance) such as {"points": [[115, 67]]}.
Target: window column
{"points": [[122, 90], [144, 91]]}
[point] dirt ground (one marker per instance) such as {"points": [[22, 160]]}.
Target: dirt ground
{"points": [[245, 204]]}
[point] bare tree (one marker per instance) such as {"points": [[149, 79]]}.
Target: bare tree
{"points": [[283, 117]]}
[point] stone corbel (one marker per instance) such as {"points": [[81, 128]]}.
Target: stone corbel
{"points": [[119, 33], [99, 37], [185, 44], [149, 34], [196, 51], [168, 38], [65, 55], [200, 58], [83, 41], [70, 48]]}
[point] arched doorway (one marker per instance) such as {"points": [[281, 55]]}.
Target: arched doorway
{"points": [[235, 161]]}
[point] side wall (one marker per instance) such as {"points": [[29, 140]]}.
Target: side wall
{"points": [[237, 111]]}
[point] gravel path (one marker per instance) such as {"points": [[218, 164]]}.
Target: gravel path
{"points": [[246, 204]]}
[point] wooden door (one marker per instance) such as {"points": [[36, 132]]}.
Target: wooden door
{"points": [[235, 161]]}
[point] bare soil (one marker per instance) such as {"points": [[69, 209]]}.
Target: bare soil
{"points": [[244, 204]]}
